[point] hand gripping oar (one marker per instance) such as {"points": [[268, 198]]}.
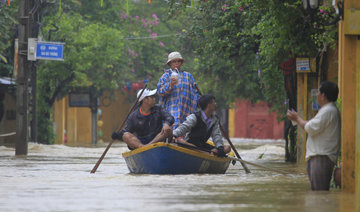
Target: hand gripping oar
{"points": [[120, 128], [247, 170], [257, 165]]}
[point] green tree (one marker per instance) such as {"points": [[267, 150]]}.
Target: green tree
{"points": [[105, 48], [224, 56], [239, 45], [8, 24]]}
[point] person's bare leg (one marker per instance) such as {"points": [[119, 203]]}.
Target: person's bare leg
{"points": [[132, 141], [183, 141], [159, 137]]}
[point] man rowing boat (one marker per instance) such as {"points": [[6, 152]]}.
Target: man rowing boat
{"points": [[148, 124], [200, 126]]}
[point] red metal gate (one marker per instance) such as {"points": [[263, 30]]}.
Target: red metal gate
{"points": [[255, 121]]}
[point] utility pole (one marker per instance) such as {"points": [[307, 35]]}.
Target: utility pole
{"points": [[27, 28], [22, 92]]}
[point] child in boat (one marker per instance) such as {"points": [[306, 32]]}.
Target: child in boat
{"points": [[148, 124], [199, 126]]}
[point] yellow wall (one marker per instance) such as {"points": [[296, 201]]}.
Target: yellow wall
{"points": [[357, 131], [302, 93], [332, 66], [114, 114], [76, 121], [349, 68], [59, 119], [231, 122], [8, 122]]}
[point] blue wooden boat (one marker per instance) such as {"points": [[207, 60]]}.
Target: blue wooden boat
{"points": [[169, 158]]}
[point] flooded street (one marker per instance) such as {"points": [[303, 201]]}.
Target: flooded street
{"points": [[57, 178]]}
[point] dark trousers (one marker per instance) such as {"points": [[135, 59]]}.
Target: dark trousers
{"points": [[320, 169]]}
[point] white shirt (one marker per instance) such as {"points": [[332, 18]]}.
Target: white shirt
{"points": [[324, 133]]}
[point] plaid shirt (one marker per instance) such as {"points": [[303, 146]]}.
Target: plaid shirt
{"points": [[181, 100]]}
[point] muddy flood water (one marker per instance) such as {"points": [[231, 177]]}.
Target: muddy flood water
{"points": [[57, 178]]}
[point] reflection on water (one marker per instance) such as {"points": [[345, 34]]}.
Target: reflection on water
{"points": [[57, 178]]}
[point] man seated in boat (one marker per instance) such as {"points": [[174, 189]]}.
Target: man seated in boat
{"points": [[199, 126], [148, 124]]}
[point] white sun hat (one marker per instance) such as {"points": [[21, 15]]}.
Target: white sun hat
{"points": [[146, 93], [173, 56]]}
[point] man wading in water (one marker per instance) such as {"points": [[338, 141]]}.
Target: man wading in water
{"points": [[323, 142]]}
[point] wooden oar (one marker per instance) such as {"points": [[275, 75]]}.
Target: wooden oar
{"points": [[120, 128], [247, 170], [260, 166]]}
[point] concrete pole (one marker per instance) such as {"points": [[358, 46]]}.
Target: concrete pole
{"points": [[27, 28], [22, 92]]}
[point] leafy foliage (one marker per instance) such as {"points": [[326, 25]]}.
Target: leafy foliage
{"points": [[7, 32], [105, 48], [239, 45], [224, 57], [233, 48]]}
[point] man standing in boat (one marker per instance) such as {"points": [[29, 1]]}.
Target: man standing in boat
{"points": [[177, 90], [199, 126], [148, 124]]}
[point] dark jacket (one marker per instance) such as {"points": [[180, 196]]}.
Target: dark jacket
{"points": [[194, 130], [199, 134], [147, 126]]}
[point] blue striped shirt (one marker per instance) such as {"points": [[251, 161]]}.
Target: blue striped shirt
{"points": [[181, 100]]}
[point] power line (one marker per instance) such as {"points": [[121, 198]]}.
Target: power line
{"points": [[150, 37]]}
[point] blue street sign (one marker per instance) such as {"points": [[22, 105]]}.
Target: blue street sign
{"points": [[49, 51]]}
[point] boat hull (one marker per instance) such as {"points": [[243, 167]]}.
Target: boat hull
{"points": [[165, 158]]}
